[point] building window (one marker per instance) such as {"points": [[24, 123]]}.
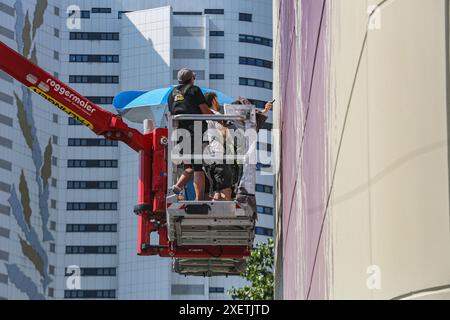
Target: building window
{"points": [[54, 183], [187, 289], [217, 33], [188, 31], [3, 278], [77, 142], [216, 55], [121, 13], [51, 270], [264, 231], [245, 17], [7, 9], [5, 210], [6, 143], [264, 210], [7, 121], [88, 185], [101, 10], [5, 187], [199, 74], [256, 62], [77, 58], [6, 165], [53, 225], [264, 146], [260, 166], [93, 79], [55, 118], [189, 54], [92, 163], [216, 290], [255, 40], [214, 11], [53, 203], [52, 248], [54, 161], [51, 292], [55, 139], [89, 294], [56, 11], [6, 98], [264, 188], [110, 36], [255, 83], [4, 255], [186, 13], [56, 32], [101, 100], [91, 206], [91, 249], [74, 122], [7, 32], [99, 58], [5, 233], [91, 228], [216, 76], [94, 272], [83, 14], [6, 77]]}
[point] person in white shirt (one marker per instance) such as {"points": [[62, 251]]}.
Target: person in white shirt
{"points": [[220, 145]]}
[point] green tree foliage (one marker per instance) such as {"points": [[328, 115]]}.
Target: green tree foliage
{"points": [[259, 274]]}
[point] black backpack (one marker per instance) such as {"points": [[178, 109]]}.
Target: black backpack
{"points": [[179, 104]]}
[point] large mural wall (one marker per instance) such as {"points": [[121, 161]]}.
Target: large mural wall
{"points": [[34, 237]]}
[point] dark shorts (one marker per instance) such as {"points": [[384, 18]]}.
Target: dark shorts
{"points": [[222, 176], [189, 126], [196, 167]]}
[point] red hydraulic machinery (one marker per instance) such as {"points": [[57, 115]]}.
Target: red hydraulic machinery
{"points": [[153, 166]]}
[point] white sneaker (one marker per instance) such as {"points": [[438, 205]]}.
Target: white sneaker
{"points": [[176, 190]]}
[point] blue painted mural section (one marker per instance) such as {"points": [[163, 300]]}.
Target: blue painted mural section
{"points": [[30, 234], [23, 283]]}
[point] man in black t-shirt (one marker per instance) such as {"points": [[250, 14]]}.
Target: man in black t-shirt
{"points": [[187, 98]]}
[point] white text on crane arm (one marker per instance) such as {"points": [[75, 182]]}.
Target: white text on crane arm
{"points": [[71, 96]]}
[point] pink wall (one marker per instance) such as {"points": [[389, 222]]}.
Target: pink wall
{"points": [[304, 172]]}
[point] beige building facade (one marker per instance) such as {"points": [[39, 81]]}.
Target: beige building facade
{"points": [[363, 112]]}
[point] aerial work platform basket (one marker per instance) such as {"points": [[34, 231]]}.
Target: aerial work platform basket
{"points": [[214, 223], [210, 267], [223, 225]]}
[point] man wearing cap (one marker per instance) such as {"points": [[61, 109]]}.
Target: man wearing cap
{"points": [[187, 98]]}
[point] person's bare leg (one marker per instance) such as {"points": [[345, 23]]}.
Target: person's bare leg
{"points": [[185, 177], [199, 185], [226, 194], [223, 195]]}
